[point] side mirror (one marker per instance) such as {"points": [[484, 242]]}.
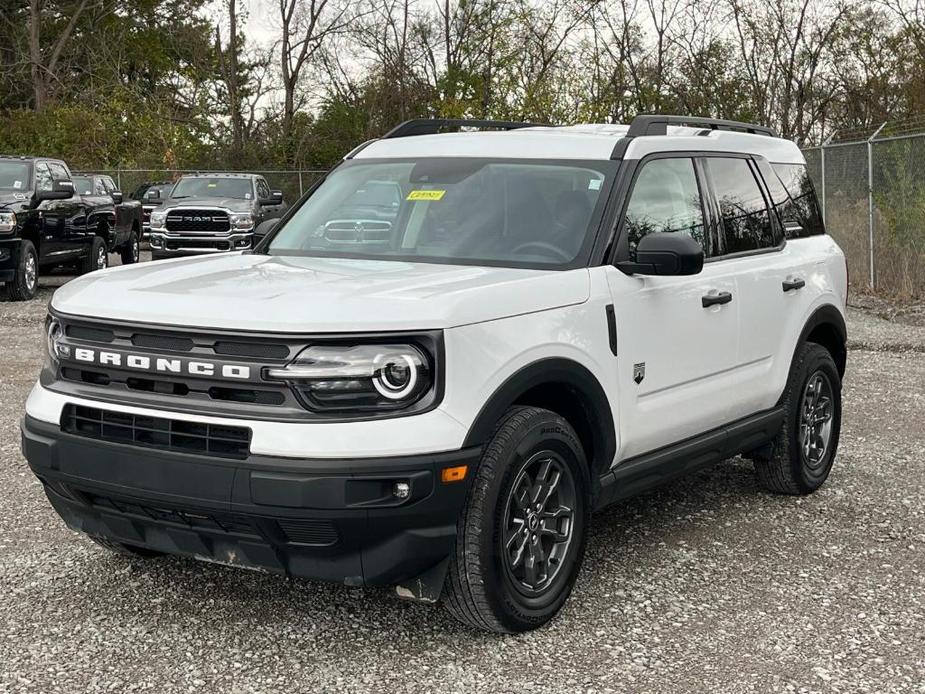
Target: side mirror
{"points": [[60, 190], [276, 198], [117, 197], [263, 229], [665, 253], [153, 194]]}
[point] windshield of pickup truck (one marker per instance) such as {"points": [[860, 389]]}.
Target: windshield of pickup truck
{"points": [[15, 175], [241, 188], [83, 185], [469, 211]]}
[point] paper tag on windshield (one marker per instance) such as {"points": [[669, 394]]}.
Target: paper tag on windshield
{"points": [[426, 195], [594, 184], [17, 185]]}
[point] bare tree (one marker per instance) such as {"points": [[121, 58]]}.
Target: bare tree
{"points": [[44, 59]]}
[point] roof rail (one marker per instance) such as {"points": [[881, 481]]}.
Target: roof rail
{"points": [[658, 125], [431, 126]]}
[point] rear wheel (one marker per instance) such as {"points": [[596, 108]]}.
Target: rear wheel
{"points": [[521, 537], [26, 280], [131, 251], [97, 258], [804, 450], [124, 549]]}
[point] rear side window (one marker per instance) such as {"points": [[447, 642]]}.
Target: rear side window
{"points": [[665, 198], [746, 223], [795, 200]]}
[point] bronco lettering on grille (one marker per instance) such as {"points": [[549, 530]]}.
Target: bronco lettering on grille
{"points": [[160, 364]]}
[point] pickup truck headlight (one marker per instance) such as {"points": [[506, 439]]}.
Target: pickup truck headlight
{"points": [[7, 222], [374, 377], [158, 219], [241, 220]]}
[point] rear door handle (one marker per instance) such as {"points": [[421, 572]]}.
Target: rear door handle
{"points": [[794, 284], [713, 299]]}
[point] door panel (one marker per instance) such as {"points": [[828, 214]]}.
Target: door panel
{"points": [[676, 356]]}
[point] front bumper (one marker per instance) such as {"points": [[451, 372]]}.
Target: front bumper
{"points": [[326, 519], [176, 244]]}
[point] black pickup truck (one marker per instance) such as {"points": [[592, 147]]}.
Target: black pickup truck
{"points": [[50, 218]]}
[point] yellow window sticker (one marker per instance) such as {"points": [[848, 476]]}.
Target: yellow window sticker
{"points": [[426, 195]]}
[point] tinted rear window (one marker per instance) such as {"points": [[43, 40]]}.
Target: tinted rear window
{"points": [[795, 200]]}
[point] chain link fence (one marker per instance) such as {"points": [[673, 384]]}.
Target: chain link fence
{"points": [[292, 183], [872, 192]]}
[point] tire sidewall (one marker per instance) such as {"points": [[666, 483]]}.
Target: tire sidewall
{"points": [[546, 432], [816, 359]]}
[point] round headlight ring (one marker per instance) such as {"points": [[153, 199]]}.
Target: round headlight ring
{"points": [[382, 380]]}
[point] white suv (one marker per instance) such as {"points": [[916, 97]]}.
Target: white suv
{"points": [[449, 353]]}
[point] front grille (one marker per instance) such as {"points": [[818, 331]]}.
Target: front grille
{"points": [[198, 221], [357, 231], [157, 432]]}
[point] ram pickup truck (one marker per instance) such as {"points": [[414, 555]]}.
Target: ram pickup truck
{"points": [[212, 213], [49, 218]]}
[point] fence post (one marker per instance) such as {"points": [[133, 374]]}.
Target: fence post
{"points": [[822, 164], [300, 182], [119, 178], [870, 200]]}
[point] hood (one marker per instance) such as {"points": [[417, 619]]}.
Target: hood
{"points": [[14, 201], [236, 204], [289, 294]]}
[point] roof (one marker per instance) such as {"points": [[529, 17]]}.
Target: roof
{"points": [[229, 174], [580, 142]]}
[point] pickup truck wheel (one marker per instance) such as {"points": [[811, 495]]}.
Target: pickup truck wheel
{"points": [[131, 251], [804, 450], [124, 549], [26, 280], [521, 536], [97, 258]]}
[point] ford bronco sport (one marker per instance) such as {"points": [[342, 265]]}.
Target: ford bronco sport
{"points": [[448, 354]]}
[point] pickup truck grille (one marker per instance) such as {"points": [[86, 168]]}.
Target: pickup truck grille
{"points": [[203, 221], [162, 368]]}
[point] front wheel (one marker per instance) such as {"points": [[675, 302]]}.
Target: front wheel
{"points": [[25, 281], [804, 450], [521, 536]]}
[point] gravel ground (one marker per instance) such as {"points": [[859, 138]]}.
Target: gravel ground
{"points": [[706, 585]]}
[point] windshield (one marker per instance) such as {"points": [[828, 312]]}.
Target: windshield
{"points": [[202, 187], [83, 185], [515, 213], [15, 175]]}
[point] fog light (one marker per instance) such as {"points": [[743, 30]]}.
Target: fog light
{"points": [[401, 490]]}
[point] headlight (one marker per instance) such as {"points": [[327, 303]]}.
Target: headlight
{"points": [[332, 378], [241, 220], [53, 334], [158, 219], [7, 222]]}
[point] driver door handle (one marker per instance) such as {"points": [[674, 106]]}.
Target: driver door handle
{"points": [[715, 299]]}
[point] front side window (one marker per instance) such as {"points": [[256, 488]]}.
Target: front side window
{"points": [[665, 198], [58, 172], [263, 190], [513, 213], [745, 221], [15, 175], [99, 186], [796, 201], [218, 187], [42, 177]]}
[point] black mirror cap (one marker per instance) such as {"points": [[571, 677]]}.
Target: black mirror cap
{"points": [[117, 197], [276, 198], [60, 190], [666, 253]]}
